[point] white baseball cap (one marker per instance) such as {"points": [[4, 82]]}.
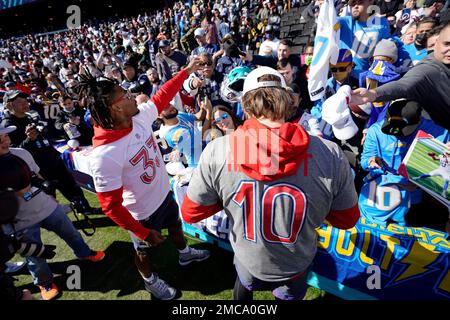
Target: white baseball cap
{"points": [[5, 130], [251, 81], [199, 32], [337, 113]]}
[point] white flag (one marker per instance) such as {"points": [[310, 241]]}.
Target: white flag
{"points": [[326, 50]]}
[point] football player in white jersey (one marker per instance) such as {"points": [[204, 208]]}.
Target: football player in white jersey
{"points": [[131, 181]]}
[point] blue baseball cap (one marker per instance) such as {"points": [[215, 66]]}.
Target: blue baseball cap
{"points": [[345, 56]]}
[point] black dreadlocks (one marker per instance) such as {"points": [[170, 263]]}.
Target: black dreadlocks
{"points": [[97, 96]]}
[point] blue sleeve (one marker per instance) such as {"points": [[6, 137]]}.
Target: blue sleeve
{"points": [[362, 79], [378, 113], [444, 136], [238, 111], [386, 30], [370, 148], [191, 118], [346, 35], [436, 131], [316, 110]]}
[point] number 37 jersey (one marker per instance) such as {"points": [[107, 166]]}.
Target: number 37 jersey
{"points": [[273, 222], [133, 162]]}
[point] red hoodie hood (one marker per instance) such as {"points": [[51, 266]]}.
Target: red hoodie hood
{"points": [[267, 154], [105, 136]]}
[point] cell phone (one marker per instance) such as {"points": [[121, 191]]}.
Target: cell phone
{"points": [[387, 169], [406, 14]]}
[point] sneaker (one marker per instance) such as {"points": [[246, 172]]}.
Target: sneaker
{"points": [[49, 292], [160, 289], [12, 267], [193, 255], [96, 256]]}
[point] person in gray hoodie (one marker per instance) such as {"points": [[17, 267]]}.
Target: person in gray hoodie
{"points": [[427, 83]]}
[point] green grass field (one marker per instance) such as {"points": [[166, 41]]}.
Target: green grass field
{"points": [[116, 277], [420, 162]]}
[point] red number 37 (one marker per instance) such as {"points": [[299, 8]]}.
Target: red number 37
{"points": [[143, 155]]}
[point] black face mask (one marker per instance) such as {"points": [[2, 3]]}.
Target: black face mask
{"points": [[421, 40]]}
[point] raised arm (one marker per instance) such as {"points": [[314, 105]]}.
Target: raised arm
{"points": [[167, 92]]}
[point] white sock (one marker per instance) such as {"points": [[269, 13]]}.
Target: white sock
{"points": [[150, 279], [185, 250]]}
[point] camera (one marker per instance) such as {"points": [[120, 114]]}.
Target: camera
{"points": [[47, 186], [202, 93], [11, 245], [36, 122]]}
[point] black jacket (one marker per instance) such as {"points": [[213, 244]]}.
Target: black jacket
{"points": [[427, 83]]}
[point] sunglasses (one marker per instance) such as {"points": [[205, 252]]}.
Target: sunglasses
{"points": [[219, 119], [126, 96], [206, 64], [338, 69]]}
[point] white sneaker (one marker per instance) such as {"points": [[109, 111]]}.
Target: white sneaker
{"points": [[160, 289], [193, 255]]}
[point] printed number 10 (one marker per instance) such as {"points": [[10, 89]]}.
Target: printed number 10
{"points": [[245, 197]]}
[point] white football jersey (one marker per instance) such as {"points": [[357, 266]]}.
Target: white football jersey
{"points": [[133, 162]]}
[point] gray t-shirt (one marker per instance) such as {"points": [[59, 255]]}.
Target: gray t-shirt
{"points": [[40, 206], [268, 239]]}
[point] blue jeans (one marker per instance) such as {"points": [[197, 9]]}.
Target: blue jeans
{"points": [[59, 223], [292, 289]]}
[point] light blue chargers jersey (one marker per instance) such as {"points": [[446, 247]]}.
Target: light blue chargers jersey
{"points": [[186, 138], [380, 199], [361, 38], [415, 55]]}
